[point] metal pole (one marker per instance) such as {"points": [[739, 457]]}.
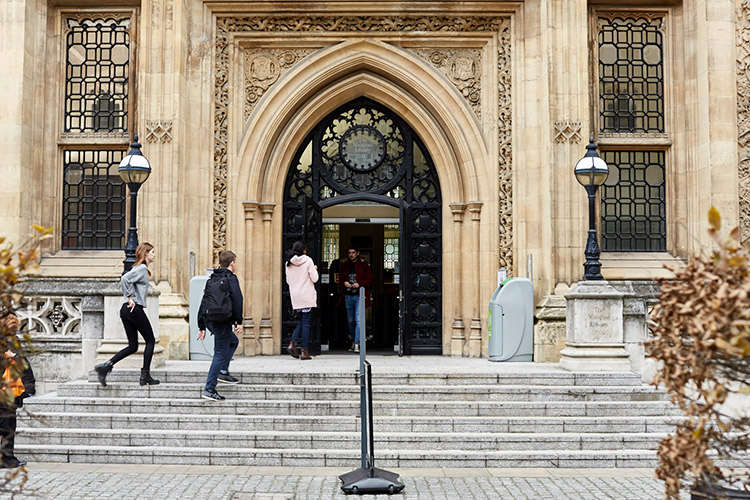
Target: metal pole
{"points": [[132, 242], [592, 266], [363, 392]]}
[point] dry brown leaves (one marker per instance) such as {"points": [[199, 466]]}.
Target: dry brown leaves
{"points": [[701, 330]]}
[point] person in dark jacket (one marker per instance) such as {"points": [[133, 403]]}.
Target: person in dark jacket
{"points": [[225, 339], [353, 274], [22, 389]]}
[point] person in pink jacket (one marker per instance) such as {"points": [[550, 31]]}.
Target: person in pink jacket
{"points": [[301, 276]]}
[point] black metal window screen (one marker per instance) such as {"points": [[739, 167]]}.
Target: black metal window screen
{"points": [[93, 200], [97, 66], [631, 74], [633, 208]]}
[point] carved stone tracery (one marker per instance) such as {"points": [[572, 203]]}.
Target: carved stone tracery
{"points": [[460, 71], [263, 67], [743, 115], [463, 68], [567, 132]]}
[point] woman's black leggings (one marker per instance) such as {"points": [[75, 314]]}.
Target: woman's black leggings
{"points": [[135, 322]]}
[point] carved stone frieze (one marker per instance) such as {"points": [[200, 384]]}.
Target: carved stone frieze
{"points": [[743, 114], [505, 152], [463, 68], [567, 132], [263, 67], [159, 131], [226, 26]]}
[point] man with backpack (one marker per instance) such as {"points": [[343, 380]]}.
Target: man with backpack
{"points": [[221, 312]]}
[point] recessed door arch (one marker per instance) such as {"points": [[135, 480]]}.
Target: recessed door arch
{"points": [[364, 151]]}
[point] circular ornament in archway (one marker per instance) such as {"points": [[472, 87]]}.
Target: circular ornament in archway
{"points": [[362, 148]]}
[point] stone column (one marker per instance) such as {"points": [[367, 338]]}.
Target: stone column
{"points": [[594, 329], [266, 325], [475, 335], [249, 341], [458, 336]]}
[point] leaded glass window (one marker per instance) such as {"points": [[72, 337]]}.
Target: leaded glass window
{"points": [[631, 74], [633, 208], [97, 66], [94, 200]]}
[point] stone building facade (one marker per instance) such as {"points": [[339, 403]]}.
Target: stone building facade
{"points": [[480, 109]]}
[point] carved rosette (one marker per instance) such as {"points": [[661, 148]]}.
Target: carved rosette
{"points": [[743, 114], [370, 24], [263, 67], [505, 153], [463, 68]]}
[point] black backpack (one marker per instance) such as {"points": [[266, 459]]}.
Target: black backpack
{"points": [[217, 299]]}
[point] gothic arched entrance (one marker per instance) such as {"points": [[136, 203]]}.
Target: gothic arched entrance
{"points": [[363, 152]]}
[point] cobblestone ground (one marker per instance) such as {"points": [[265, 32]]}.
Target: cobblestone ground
{"points": [[101, 482]]}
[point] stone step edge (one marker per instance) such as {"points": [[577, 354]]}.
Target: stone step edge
{"points": [[350, 435], [425, 418]]}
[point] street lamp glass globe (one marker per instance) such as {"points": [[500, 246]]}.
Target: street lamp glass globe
{"points": [[591, 171], [134, 168]]}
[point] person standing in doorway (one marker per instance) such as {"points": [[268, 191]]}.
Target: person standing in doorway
{"points": [[221, 312], [133, 315], [354, 273], [301, 276]]}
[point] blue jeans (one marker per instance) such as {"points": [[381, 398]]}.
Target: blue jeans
{"points": [[303, 328], [225, 343], [352, 315]]}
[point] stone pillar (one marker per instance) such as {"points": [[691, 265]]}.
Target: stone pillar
{"points": [[266, 325], [249, 340], [114, 334], [475, 335], [174, 326], [458, 336], [595, 336]]}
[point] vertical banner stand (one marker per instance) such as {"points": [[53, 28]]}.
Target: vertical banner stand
{"points": [[367, 479]]}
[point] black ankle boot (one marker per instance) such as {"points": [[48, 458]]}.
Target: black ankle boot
{"points": [[103, 370], [146, 378]]}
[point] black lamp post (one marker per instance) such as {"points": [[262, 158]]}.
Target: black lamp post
{"points": [[591, 172], [134, 170]]}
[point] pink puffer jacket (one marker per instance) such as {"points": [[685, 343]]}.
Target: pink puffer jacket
{"points": [[301, 277]]}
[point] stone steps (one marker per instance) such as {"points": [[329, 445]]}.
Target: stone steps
{"points": [[292, 440], [526, 424], [380, 393], [336, 458], [535, 418], [150, 406]]}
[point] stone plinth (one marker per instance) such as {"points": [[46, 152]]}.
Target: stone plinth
{"points": [[114, 338], [594, 329]]}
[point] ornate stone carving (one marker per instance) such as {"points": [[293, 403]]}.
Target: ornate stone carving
{"points": [[505, 153], [370, 24], [263, 67], [52, 316], [567, 132], [463, 68], [159, 131], [743, 114]]}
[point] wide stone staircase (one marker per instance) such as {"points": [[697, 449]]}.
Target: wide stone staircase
{"points": [[527, 418]]}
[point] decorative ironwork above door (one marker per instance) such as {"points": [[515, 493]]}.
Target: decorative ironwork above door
{"points": [[363, 151]]}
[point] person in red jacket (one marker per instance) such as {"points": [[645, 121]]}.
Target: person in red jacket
{"points": [[353, 274]]}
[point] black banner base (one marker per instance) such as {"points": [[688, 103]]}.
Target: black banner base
{"points": [[370, 481]]}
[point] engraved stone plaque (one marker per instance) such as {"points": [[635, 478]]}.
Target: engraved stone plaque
{"points": [[362, 148]]}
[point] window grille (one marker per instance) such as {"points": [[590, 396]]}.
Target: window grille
{"points": [[93, 200], [97, 67], [633, 206], [631, 74]]}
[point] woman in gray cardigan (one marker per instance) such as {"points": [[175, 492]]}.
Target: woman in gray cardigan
{"points": [[134, 319]]}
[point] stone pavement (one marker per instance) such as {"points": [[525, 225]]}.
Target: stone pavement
{"points": [[96, 481]]}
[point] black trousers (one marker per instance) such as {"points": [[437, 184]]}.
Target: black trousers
{"points": [[7, 431], [134, 322]]}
